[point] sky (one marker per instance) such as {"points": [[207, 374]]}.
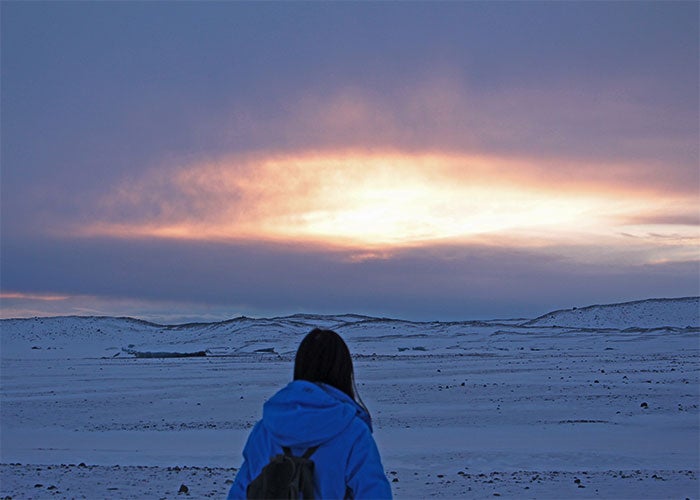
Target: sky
{"points": [[197, 161]]}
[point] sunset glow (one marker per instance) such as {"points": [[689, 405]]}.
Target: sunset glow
{"points": [[429, 160], [370, 200], [32, 296]]}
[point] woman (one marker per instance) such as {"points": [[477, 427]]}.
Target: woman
{"points": [[320, 408]]}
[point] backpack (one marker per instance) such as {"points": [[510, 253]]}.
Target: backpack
{"points": [[285, 477]]}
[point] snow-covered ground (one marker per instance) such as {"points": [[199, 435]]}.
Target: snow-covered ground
{"points": [[595, 402]]}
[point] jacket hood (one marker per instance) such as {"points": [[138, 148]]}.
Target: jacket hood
{"points": [[306, 414]]}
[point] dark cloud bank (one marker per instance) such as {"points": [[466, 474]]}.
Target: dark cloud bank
{"points": [[429, 283]]}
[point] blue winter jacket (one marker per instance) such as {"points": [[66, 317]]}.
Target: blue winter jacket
{"points": [[306, 414]]}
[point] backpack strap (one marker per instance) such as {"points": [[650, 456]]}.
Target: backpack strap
{"points": [[307, 454]]}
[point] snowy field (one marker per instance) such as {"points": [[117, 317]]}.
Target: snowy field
{"points": [[598, 402]]}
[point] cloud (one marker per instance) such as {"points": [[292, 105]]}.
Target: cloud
{"points": [[690, 218], [222, 279], [355, 175], [376, 201], [590, 140], [620, 131], [31, 296]]}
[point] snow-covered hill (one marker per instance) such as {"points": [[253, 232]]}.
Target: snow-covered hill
{"points": [[606, 401], [81, 337], [652, 313]]}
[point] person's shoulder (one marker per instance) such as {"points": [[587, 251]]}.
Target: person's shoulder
{"points": [[256, 434], [259, 426], [355, 432], [359, 429]]}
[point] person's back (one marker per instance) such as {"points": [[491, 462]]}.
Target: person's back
{"points": [[314, 410]]}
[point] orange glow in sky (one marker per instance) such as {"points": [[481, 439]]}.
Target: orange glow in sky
{"points": [[32, 296], [381, 199]]}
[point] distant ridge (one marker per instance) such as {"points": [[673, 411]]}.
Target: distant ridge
{"points": [[653, 320], [649, 313]]}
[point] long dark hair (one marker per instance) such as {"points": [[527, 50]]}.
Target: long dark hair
{"points": [[324, 357]]}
